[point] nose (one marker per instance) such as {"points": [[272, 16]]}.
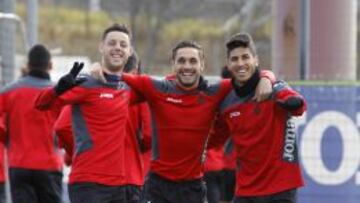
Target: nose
{"points": [[240, 62], [117, 46], [187, 65]]}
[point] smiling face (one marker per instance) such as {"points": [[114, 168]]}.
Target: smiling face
{"points": [[188, 66], [242, 64], [115, 49]]}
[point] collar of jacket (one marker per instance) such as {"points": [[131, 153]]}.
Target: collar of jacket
{"points": [[249, 85], [39, 74], [112, 78], [203, 84]]}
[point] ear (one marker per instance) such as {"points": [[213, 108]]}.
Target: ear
{"points": [[227, 62], [256, 60], [172, 62], [202, 67], [50, 66]]}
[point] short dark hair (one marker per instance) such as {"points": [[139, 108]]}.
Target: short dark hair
{"points": [[118, 28], [185, 44], [132, 62], [39, 57], [243, 40]]}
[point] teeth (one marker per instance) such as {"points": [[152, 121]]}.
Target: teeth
{"points": [[116, 56]]}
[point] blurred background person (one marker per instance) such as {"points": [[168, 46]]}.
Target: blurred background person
{"points": [[35, 163]]}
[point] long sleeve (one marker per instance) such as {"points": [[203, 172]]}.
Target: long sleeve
{"points": [[136, 82], [289, 99], [219, 133], [47, 99]]}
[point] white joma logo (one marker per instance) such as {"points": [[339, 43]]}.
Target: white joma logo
{"points": [[235, 114], [106, 95], [176, 101]]}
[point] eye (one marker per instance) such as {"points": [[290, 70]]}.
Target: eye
{"points": [[123, 44], [245, 56], [234, 58], [111, 43], [181, 60], [193, 61]]}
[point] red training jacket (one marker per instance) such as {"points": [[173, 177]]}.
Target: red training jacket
{"points": [[64, 132], [214, 159], [229, 155], [180, 121], [138, 141], [32, 144], [135, 172], [264, 139], [99, 116]]}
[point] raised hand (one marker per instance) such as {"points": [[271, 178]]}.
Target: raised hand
{"points": [[263, 90], [70, 80]]}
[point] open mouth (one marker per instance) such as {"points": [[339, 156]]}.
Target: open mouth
{"points": [[241, 71], [187, 73], [116, 56]]}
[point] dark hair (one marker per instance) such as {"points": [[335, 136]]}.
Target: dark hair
{"points": [[132, 62], [38, 58], [243, 40], [185, 44], [118, 28]]}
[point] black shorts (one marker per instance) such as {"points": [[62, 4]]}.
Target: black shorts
{"points": [[228, 185], [96, 193], [214, 182], [288, 196], [160, 190], [2, 193], [133, 193], [36, 186]]}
